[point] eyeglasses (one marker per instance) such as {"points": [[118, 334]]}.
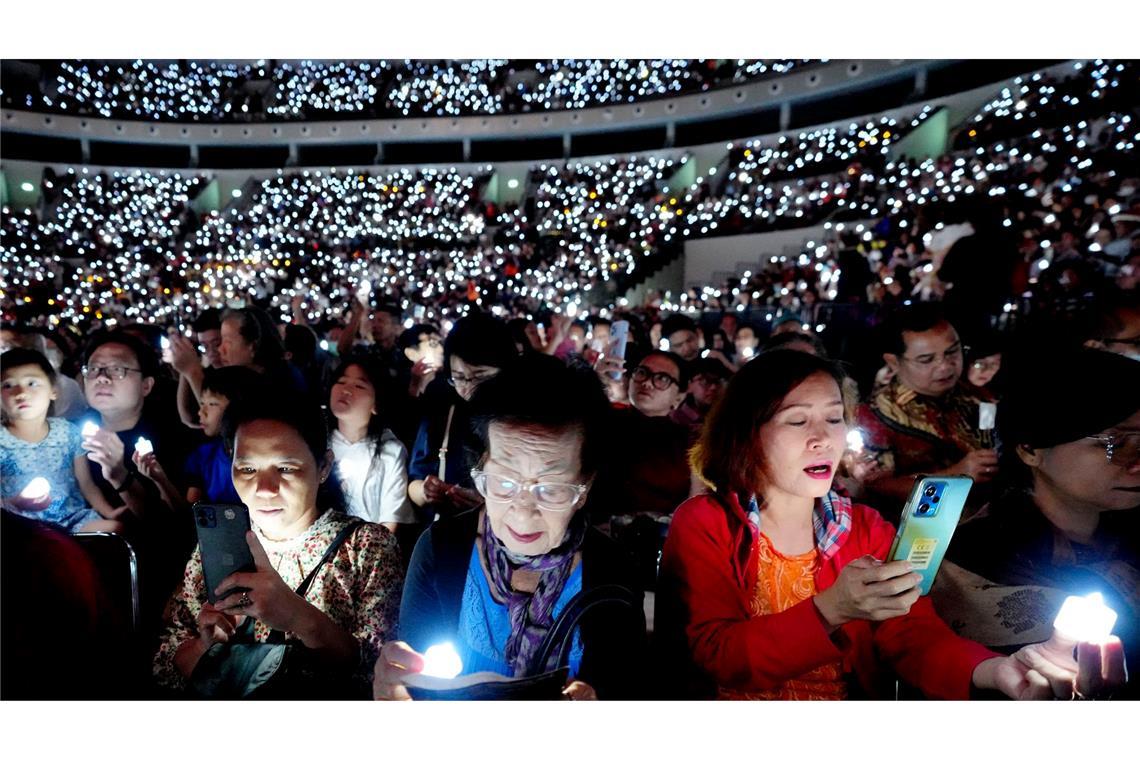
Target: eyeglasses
{"points": [[951, 356], [551, 497], [659, 380], [456, 380], [110, 371], [1121, 448]]}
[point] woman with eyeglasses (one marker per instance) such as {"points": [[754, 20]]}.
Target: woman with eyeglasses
{"points": [[777, 586], [476, 349], [1067, 517], [493, 582]]}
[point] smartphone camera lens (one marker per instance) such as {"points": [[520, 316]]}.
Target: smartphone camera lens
{"points": [[934, 499], [923, 509], [931, 490]]}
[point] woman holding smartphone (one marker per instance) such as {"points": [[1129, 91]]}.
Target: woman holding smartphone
{"points": [[776, 586], [281, 467]]}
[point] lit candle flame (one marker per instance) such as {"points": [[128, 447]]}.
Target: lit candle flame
{"points": [[1085, 618], [37, 489], [442, 661]]}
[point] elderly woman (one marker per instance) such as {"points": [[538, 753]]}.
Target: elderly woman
{"points": [[281, 466], [494, 581], [775, 586], [1067, 521]]}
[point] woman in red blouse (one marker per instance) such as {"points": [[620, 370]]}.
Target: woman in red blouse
{"points": [[776, 586]]}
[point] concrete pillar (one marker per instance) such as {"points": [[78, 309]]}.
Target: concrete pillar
{"points": [[566, 145], [85, 148], [467, 150], [193, 155], [670, 134], [920, 82], [785, 115]]}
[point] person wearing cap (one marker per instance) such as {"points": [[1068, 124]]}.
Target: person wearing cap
{"points": [[706, 385], [1068, 511], [925, 419]]}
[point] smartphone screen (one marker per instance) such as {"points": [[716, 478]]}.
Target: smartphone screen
{"points": [[221, 539], [928, 521]]}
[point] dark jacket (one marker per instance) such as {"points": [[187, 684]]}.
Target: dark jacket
{"points": [[614, 644]]}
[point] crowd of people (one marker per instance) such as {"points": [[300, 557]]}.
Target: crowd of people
{"points": [[480, 448], [215, 91]]}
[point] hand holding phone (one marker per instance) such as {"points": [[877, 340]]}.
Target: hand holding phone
{"points": [[221, 540], [928, 522]]}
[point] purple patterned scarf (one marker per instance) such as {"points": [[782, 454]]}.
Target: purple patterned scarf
{"points": [[531, 615]]}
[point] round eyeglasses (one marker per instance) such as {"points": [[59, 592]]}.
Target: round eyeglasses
{"points": [[552, 497]]}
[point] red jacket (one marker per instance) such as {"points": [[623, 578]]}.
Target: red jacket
{"points": [[704, 604]]}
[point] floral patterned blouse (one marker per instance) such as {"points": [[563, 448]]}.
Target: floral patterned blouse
{"points": [[358, 588]]}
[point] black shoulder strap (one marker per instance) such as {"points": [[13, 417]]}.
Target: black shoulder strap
{"points": [[334, 547], [558, 638]]}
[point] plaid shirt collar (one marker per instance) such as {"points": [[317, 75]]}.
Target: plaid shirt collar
{"points": [[831, 519]]}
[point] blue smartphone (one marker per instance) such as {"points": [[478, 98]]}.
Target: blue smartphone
{"points": [[928, 522]]}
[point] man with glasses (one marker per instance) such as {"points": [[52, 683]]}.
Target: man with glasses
{"points": [[649, 472], [709, 379], [925, 420]]}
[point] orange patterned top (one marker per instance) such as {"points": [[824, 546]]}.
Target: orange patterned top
{"points": [[784, 582]]}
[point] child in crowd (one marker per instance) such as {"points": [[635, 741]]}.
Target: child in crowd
{"points": [[209, 468], [43, 472], [370, 460]]}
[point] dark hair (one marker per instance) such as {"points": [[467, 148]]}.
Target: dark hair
{"points": [[540, 390], [299, 413], [381, 387], [749, 326], [410, 338], [301, 343], [785, 340], [517, 328], [1104, 319], [23, 357], [595, 321], [233, 383], [256, 327], [676, 323], [147, 359], [727, 454], [580, 324], [918, 317], [210, 319], [683, 369], [388, 307], [480, 339]]}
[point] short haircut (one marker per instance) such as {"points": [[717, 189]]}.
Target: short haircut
{"points": [[480, 339], [147, 359], [258, 328], [675, 323], [918, 317], [299, 413], [747, 326], [388, 307], [301, 343], [684, 371], [727, 454], [410, 338], [24, 357], [233, 383], [785, 340], [541, 390], [210, 319], [581, 325], [595, 321]]}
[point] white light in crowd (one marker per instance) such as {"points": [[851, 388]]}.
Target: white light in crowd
{"points": [[1114, 209], [855, 440], [164, 342], [38, 488], [27, 187], [324, 345], [1043, 264], [143, 446], [512, 183], [663, 344], [408, 323], [442, 661], [1085, 618], [89, 428], [236, 192]]}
